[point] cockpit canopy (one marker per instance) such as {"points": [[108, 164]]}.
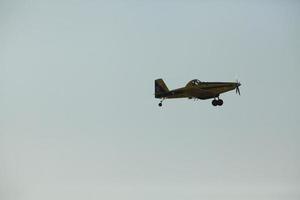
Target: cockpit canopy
{"points": [[194, 82]]}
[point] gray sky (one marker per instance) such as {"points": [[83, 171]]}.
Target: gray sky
{"points": [[79, 119]]}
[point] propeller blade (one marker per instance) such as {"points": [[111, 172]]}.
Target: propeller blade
{"points": [[237, 89]]}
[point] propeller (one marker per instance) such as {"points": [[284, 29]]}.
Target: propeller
{"points": [[237, 89]]}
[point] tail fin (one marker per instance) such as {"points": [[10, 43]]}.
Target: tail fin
{"points": [[160, 88]]}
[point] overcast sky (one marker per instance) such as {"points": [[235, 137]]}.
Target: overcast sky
{"points": [[78, 119]]}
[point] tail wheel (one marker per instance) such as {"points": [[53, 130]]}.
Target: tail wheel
{"points": [[160, 104]]}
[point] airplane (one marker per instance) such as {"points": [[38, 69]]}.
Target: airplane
{"points": [[196, 89]]}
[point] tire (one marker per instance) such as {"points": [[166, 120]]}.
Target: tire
{"points": [[214, 102], [220, 102]]}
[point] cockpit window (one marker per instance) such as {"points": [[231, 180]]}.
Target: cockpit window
{"points": [[195, 82]]}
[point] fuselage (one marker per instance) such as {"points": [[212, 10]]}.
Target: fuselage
{"points": [[200, 90]]}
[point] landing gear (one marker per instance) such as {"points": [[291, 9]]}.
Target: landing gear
{"points": [[214, 102], [217, 102], [160, 103], [220, 102]]}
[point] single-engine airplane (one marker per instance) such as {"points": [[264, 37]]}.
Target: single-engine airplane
{"points": [[196, 89]]}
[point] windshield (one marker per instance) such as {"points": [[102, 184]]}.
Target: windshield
{"points": [[195, 82]]}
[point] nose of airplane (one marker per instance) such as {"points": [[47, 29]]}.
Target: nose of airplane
{"points": [[238, 84]]}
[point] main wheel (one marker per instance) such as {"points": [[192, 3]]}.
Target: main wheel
{"points": [[220, 102], [160, 104], [214, 102]]}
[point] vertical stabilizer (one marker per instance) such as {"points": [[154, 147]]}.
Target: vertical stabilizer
{"points": [[160, 88]]}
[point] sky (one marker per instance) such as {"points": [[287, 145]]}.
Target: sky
{"points": [[78, 117]]}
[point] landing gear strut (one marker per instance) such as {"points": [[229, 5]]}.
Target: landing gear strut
{"points": [[217, 102]]}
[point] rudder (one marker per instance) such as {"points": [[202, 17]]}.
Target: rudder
{"points": [[160, 87]]}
